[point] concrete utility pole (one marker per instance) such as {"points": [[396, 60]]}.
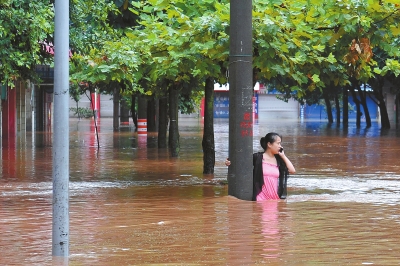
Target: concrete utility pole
{"points": [[60, 231], [240, 172]]}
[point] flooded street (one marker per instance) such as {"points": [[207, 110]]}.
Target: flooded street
{"points": [[132, 204]]}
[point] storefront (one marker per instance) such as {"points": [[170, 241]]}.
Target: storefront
{"points": [[266, 105]]}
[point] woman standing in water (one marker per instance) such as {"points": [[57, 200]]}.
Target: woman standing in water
{"points": [[270, 169]]}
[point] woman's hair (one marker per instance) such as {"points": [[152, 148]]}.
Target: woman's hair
{"points": [[269, 138]]}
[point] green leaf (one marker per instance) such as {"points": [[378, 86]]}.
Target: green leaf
{"points": [[315, 78], [284, 48]]}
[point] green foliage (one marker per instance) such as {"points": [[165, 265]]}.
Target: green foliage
{"points": [[301, 47], [89, 25], [189, 103], [24, 26], [75, 92], [124, 18], [174, 42], [306, 45], [82, 111]]}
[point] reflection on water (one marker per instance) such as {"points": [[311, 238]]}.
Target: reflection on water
{"points": [[270, 228], [132, 204]]}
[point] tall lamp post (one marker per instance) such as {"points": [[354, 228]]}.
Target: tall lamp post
{"points": [[60, 226]]}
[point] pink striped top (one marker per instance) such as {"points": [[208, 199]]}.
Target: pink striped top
{"points": [[269, 189]]}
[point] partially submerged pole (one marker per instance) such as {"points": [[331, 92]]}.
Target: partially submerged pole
{"points": [[60, 229], [240, 172]]}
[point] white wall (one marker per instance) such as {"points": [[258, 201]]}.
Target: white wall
{"points": [[106, 105], [270, 107]]}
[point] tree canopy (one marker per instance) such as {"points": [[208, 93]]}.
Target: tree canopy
{"points": [[302, 47], [26, 30]]}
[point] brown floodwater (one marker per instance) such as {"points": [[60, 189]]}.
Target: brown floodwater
{"points": [[132, 204]]}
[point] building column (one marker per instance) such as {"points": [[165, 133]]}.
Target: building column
{"points": [[9, 113], [29, 107], [21, 106]]}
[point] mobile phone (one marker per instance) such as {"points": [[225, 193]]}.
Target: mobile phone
{"points": [[281, 150]]}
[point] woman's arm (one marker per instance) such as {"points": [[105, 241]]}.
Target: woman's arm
{"points": [[288, 163], [227, 162]]}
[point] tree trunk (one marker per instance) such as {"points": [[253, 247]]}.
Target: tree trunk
{"points": [[345, 106], [77, 110], [133, 111], [337, 105], [363, 98], [377, 86], [151, 115], [208, 143], [397, 106], [163, 123], [116, 109], [328, 108], [124, 112], [142, 115], [358, 109], [359, 114], [384, 114], [173, 140]]}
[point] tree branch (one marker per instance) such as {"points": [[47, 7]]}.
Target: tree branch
{"points": [[388, 16]]}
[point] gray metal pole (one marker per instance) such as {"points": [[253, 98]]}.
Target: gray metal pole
{"points": [[60, 240], [240, 173]]}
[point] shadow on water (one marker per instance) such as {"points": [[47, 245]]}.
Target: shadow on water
{"points": [[133, 204]]}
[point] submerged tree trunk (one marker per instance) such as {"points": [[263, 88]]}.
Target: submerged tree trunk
{"points": [[163, 123], [363, 98], [358, 108], [377, 86], [397, 106], [142, 116], [384, 113], [337, 105], [151, 115], [345, 106], [116, 109], [208, 143], [328, 108], [133, 111], [124, 112], [173, 124]]}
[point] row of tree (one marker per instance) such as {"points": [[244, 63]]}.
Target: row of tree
{"points": [[177, 49]]}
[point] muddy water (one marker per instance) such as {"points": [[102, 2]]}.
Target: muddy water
{"points": [[132, 205]]}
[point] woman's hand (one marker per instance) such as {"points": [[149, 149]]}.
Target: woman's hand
{"points": [[227, 162], [288, 163]]}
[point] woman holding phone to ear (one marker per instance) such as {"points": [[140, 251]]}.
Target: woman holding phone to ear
{"points": [[270, 169]]}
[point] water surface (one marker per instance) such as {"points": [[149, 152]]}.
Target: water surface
{"points": [[132, 204]]}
